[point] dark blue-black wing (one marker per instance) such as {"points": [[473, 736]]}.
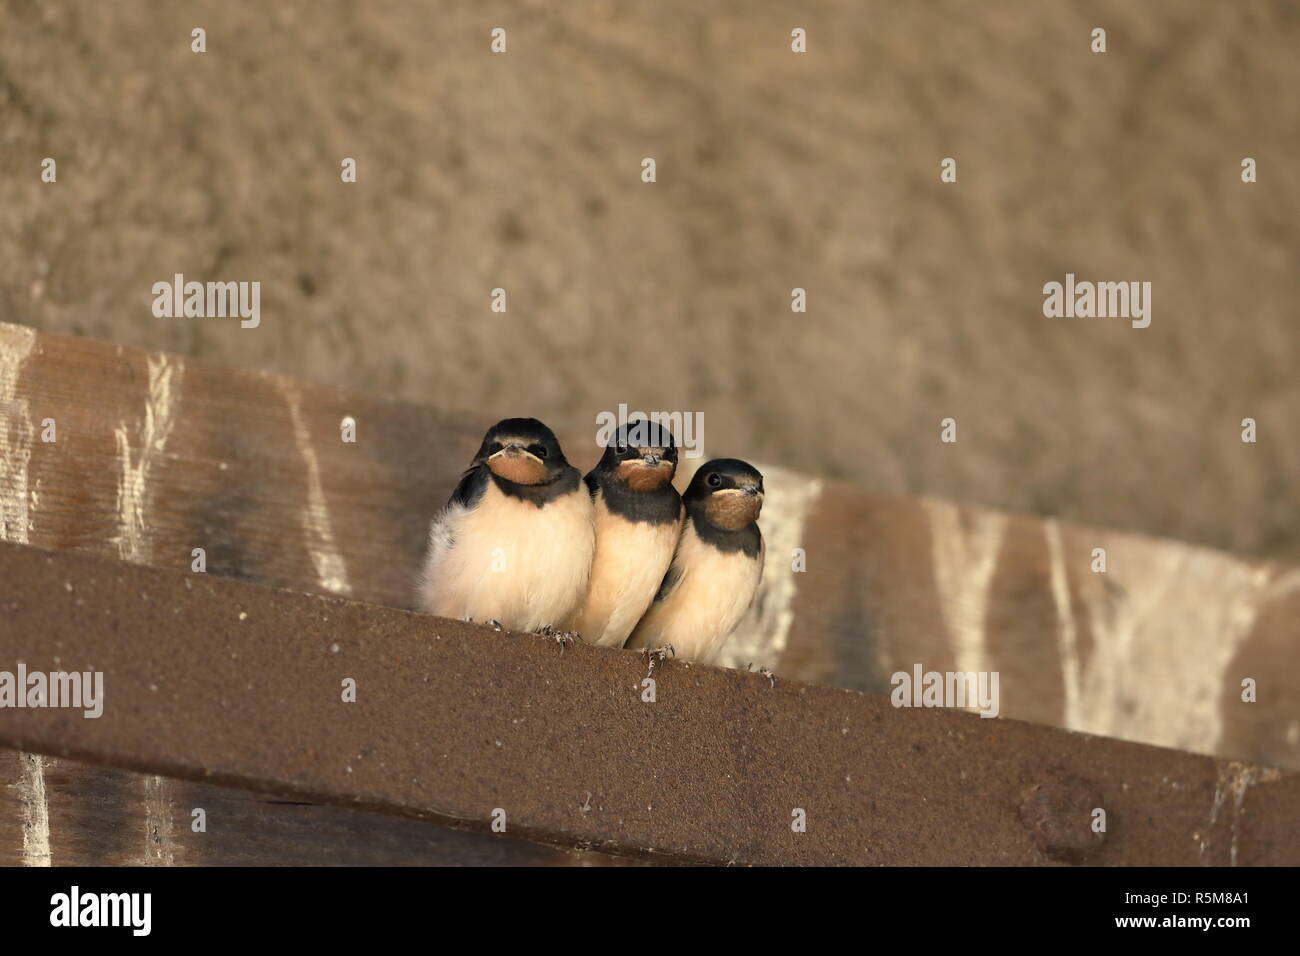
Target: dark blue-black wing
{"points": [[470, 488]]}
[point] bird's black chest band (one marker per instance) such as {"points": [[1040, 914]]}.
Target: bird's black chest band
{"points": [[539, 495]]}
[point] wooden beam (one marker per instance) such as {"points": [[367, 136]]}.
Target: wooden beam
{"points": [[236, 684], [156, 456], [60, 812]]}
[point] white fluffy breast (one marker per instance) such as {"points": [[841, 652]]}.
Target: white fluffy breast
{"points": [[631, 559], [508, 560], [712, 594]]}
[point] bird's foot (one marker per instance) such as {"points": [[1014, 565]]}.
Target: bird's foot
{"points": [[563, 638], [657, 655]]}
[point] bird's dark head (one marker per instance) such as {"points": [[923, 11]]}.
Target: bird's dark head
{"points": [[641, 455], [522, 450], [726, 492]]}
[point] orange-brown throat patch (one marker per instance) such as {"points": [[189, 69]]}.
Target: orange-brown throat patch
{"points": [[733, 510], [642, 477], [521, 469]]}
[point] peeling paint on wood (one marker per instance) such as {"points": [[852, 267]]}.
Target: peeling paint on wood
{"points": [[137, 457], [16, 343], [36, 812]]}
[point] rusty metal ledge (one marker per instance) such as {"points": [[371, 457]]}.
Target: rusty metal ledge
{"points": [[239, 684]]}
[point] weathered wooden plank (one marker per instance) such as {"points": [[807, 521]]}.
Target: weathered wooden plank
{"points": [[60, 812], [1155, 649], [231, 683], [156, 456]]}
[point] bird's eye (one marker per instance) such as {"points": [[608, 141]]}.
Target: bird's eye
{"points": [[621, 449], [538, 450], [714, 480]]}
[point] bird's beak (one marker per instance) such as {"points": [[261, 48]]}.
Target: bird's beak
{"points": [[514, 449], [746, 491], [651, 459]]}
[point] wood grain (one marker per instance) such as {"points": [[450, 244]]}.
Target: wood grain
{"points": [[251, 468], [98, 816], [232, 683], [156, 456]]}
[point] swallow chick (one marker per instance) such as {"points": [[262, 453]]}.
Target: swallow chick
{"points": [[638, 522], [716, 569], [514, 543]]}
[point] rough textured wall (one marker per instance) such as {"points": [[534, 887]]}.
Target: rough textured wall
{"points": [[775, 170]]}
